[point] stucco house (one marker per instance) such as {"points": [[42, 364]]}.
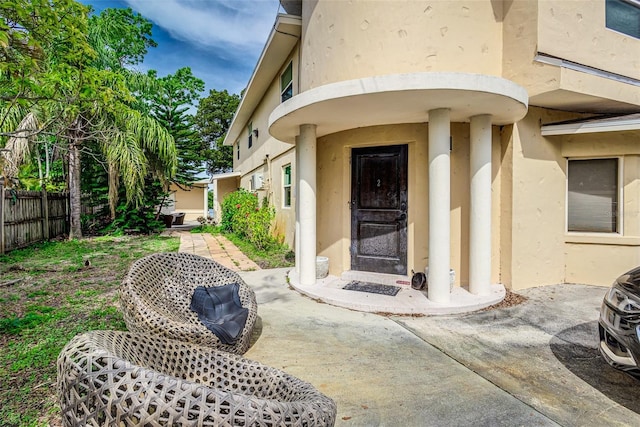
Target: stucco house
{"points": [[190, 200], [496, 139]]}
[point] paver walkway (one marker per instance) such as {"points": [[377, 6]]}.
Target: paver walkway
{"points": [[218, 248]]}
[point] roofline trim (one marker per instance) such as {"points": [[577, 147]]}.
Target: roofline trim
{"points": [[251, 98], [593, 126]]}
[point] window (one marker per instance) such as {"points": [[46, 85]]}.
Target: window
{"points": [[592, 200], [624, 16], [286, 83], [286, 186], [250, 131], [238, 152]]}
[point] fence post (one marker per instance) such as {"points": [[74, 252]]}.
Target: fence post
{"points": [[1, 218], [45, 215]]}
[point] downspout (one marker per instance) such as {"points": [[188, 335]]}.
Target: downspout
{"points": [[270, 189]]}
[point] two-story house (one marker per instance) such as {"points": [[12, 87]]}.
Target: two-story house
{"points": [[497, 139]]}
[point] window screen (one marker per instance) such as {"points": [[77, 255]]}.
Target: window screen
{"points": [[286, 186], [286, 83], [593, 195], [623, 16]]}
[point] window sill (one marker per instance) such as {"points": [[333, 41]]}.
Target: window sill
{"points": [[604, 239]]}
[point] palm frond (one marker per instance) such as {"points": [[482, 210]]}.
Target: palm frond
{"points": [[17, 149], [128, 160]]}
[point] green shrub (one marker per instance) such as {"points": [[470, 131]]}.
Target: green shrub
{"points": [[242, 216], [236, 209], [259, 226]]}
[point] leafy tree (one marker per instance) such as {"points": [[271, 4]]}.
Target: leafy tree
{"points": [[120, 37], [44, 54], [43, 47], [215, 113], [71, 72], [132, 143], [170, 104]]}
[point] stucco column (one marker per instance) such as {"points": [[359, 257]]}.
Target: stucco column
{"points": [[216, 208], [439, 205], [206, 201], [480, 207], [307, 203], [296, 236]]}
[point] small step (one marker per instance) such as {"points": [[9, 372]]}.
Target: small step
{"points": [[380, 278]]}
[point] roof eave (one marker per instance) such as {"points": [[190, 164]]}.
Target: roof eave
{"points": [[282, 39]]}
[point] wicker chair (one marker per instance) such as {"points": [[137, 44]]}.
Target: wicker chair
{"points": [[114, 378], [155, 297]]}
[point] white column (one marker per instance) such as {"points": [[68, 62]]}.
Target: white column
{"points": [[439, 205], [307, 203], [480, 215], [296, 236], [217, 215], [206, 201]]}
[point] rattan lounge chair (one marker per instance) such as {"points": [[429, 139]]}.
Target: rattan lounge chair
{"points": [[114, 378], [155, 298]]}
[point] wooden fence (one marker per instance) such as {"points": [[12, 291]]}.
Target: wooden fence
{"points": [[27, 217]]}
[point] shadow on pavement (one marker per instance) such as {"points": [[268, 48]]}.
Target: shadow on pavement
{"points": [[577, 349], [257, 331]]}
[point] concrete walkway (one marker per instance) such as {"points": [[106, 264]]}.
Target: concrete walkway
{"points": [[218, 248]]}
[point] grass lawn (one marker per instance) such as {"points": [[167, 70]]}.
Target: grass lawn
{"points": [[279, 255], [48, 294]]}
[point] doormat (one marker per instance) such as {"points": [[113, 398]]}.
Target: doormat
{"points": [[373, 288]]}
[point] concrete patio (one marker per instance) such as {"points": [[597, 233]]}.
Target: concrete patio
{"points": [[534, 364]]}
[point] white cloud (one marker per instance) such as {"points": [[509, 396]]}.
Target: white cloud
{"points": [[242, 25]]}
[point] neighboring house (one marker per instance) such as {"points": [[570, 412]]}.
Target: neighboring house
{"points": [[499, 139], [190, 200], [222, 185]]}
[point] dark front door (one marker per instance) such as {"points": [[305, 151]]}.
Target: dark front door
{"points": [[379, 209]]}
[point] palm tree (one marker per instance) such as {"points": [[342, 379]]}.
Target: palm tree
{"points": [[18, 148], [94, 101]]}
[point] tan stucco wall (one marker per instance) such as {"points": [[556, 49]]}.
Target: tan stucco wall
{"points": [[268, 155], [334, 194], [191, 201], [535, 247], [599, 258], [271, 170], [536, 206], [263, 145], [565, 24], [285, 221], [344, 40], [224, 188], [573, 30]]}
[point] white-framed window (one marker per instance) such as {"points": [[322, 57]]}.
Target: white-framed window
{"points": [[250, 132], [623, 16], [286, 83], [593, 195], [286, 186]]}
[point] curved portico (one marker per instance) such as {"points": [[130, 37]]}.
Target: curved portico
{"points": [[436, 98]]}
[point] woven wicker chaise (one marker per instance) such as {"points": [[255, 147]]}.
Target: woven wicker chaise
{"points": [[155, 298], [114, 378]]}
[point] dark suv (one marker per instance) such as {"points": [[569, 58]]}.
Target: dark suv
{"points": [[619, 323]]}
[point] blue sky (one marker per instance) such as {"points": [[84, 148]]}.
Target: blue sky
{"points": [[220, 40]]}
